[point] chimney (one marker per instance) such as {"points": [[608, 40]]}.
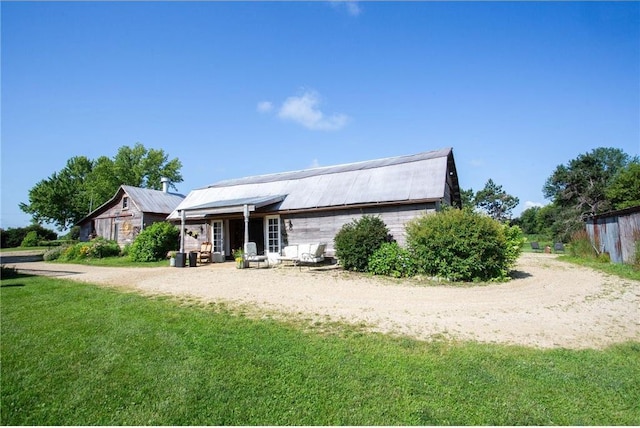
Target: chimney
{"points": [[165, 184]]}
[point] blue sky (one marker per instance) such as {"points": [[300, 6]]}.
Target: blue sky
{"points": [[242, 88]]}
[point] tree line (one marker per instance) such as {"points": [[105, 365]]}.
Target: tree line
{"points": [[595, 182]]}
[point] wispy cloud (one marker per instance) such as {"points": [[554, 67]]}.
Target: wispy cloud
{"points": [[314, 164], [476, 162], [351, 6], [264, 106], [305, 110]]}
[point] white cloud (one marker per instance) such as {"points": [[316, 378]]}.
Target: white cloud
{"points": [[530, 204], [265, 106], [314, 164], [476, 162], [352, 6], [304, 110]]}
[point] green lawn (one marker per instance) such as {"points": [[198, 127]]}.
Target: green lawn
{"points": [[77, 354]]}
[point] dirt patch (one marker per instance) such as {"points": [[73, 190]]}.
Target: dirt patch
{"points": [[549, 304]]}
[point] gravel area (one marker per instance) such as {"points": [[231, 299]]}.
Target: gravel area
{"points": [[549, 304]]}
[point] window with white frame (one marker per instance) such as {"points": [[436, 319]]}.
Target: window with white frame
{"points": [[216, 236], [273, 234]]}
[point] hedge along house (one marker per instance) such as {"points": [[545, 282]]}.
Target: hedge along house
{"points": [[129, 211], [310, 206]]}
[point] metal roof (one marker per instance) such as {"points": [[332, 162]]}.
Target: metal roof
{"points": [[415, 177], [147, 200]]}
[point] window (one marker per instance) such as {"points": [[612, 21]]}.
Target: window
{"points": [[216, 236], [125, 202], [273, 234]]}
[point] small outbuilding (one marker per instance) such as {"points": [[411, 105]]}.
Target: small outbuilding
{"points": [[616, 233], [129, 211], [311, 205]]}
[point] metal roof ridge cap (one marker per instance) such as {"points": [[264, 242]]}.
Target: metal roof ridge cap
{"points": [[367, 164]]}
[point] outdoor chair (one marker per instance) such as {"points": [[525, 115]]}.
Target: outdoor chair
{"points": [[289, 254], [204, 255], [310, 254], [535, 246], [251, 254], [558, 246]]}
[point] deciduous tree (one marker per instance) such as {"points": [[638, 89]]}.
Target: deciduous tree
{"points": [[624, 191], [65, 197]]}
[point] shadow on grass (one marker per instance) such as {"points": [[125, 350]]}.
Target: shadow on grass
{"points": [[12, 285]]}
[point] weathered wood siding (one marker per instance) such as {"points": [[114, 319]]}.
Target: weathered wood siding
{"points": [[115, 223], [616, 233], [323, 226]]}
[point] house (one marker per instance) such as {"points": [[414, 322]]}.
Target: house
{"points": [[129, 211], [616, 233], [311, 205]]}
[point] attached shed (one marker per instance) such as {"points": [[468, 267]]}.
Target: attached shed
{"points": [[311, 205], [616, 233], [129, 211]]}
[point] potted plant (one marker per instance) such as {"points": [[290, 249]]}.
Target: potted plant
{"points": [[172, 258], [238, 255]]}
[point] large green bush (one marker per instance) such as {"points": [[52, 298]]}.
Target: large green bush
{"points": [[392, 260], [154, 242], [356, 241], [462, 245]]}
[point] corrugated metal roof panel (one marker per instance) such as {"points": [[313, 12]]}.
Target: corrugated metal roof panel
{"points": [[414, 177], [153, 201]]}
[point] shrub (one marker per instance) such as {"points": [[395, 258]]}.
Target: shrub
{"points": [[392, 260], [461, 245], [356, 241], [581, 246], [154, 242], [515, 239], [30, 239], [96, 248], [54, 253], [13, 236]]}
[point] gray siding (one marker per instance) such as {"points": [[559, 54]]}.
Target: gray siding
{"points": [[323, 226], [616, 233]]}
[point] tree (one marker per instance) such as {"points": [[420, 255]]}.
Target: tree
{"points": [[62, 198], [529, 220], [579, 188], [582, 183], [624, 190], [466, 198], [65, 197], [495, 201]]}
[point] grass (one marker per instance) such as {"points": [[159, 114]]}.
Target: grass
{"points": [[78, 354], [19, 249], [619, 269]]}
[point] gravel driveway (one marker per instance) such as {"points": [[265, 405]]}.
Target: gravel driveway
{"points": [[549, 304]]}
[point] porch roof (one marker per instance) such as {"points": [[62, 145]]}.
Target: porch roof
{"points": [[227, 206]]}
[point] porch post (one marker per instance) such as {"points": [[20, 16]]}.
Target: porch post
{"points": [[182, 223], [246, 223]]}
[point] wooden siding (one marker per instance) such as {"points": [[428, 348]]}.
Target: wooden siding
{"points": [[115, 223], [616, 233], [323, 226]]}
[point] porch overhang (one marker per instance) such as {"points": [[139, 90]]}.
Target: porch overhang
{"points": [[230, 206]]}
